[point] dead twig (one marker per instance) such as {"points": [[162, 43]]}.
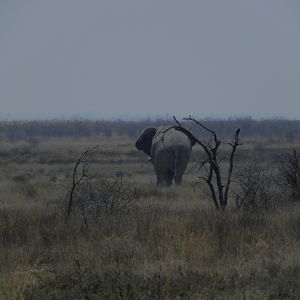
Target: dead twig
{"points": [[77, 180]]}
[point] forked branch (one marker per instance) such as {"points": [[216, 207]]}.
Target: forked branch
{"points": [[76, 180]]}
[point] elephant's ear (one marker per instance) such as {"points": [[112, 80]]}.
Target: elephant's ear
{"points": [[144, 142]]}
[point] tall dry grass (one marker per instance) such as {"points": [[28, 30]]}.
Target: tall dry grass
{"points": [[168, 244]]}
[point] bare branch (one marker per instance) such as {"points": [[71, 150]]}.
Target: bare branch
{"points": [[234, 147], [204, 127], [181, 128], [76, 181], [208, 180]]}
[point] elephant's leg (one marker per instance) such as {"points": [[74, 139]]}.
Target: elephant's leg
{"points": [[181, 162], [178, 179], [163, 166], [165, 179]]}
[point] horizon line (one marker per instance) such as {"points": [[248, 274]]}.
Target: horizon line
{"points": [[133, 118]]}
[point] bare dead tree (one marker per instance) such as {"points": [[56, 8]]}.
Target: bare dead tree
{"points": [[78, 179], [219, 191]]}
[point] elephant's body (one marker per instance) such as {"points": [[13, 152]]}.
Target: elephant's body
{"points": [[170, 151], [170, 154]]}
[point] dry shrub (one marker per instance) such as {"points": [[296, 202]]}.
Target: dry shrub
{"points": [[290, 172], [257, 189], [103, 198]]}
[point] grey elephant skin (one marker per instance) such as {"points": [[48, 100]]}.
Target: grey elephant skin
{"points": [[169, 149]]}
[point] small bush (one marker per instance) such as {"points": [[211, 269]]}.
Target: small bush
{"points": [[106, 197], [257, 189], [290, 172]]}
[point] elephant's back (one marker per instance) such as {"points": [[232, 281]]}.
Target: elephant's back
{"points": [[170, 140]]}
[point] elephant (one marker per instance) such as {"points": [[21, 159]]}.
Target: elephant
{"points": [[169, 150]]}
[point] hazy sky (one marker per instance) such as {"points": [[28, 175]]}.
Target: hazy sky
{"points": [[145, 57]]}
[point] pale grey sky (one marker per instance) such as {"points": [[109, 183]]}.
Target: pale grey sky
{"points": [[128, 58]]}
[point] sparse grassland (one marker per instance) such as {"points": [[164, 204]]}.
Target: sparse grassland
{"points": [[167, 244]]}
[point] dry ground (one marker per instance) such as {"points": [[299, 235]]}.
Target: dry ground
{"points": [[167, 244]]}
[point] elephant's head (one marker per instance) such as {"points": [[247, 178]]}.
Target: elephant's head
{"points": [[144, 142]]}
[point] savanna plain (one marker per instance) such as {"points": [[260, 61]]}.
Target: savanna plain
{"points": [[121, 237]]}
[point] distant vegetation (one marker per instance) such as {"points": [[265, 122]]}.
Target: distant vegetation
{"points": [[285, 130]]}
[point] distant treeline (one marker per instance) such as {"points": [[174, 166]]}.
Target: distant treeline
{"points": [[15, 130]]}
